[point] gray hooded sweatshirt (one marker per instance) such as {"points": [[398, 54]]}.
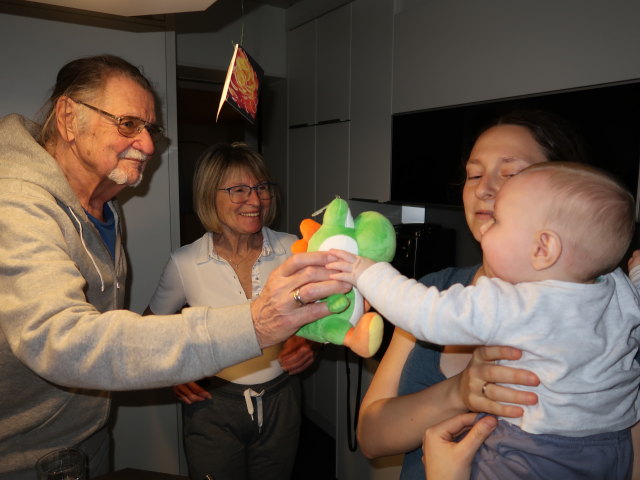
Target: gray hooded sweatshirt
{"points": [[64, 339]]}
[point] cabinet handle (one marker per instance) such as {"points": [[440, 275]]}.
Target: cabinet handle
{"points": [[334, 120]]}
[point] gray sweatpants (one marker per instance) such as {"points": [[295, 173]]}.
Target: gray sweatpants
{"points": [[224, 439], [510, 453]]}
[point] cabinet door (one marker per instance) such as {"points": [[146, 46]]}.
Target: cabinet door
{"points": [[332, 162], [372, 40], [302, 165], [301, 62], [333, 65]]}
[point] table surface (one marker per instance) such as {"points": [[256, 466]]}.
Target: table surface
{"points": [[135, 474]]}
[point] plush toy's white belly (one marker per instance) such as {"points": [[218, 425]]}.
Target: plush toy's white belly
{"points": [[348, 244], [340, 242]]}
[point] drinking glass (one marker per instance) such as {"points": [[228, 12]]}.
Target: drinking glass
{"points": [[63, 464]]}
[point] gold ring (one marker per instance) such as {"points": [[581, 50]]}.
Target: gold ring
{"points": [[484, 389], [296, 297]]}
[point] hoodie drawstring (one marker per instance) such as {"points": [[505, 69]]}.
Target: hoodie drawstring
{"points": [[86, 249]]}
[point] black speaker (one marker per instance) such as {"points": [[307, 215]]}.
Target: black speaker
{"points": [[423, 248]]}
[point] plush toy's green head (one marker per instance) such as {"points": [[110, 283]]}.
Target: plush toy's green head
{"points": [[370, 235]]}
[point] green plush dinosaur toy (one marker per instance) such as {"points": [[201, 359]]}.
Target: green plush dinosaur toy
{"points": [[370, 235]]}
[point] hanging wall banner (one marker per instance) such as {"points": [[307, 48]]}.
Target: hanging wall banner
{"points": [[242, 85]]}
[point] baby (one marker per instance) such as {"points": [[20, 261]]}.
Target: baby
{"points": [[558, 233]]}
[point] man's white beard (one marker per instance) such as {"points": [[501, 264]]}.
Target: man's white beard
{"points": [[120, 177]]}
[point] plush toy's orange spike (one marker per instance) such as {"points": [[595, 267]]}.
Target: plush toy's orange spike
{"points": [[307, 228]]}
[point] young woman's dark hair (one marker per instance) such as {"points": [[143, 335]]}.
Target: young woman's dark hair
{"points": [[556, 135]]}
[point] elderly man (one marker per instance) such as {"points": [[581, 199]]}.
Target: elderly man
{"points": [[64, 338]]}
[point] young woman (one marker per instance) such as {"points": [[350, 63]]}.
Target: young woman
{"points": [[418, 385]]}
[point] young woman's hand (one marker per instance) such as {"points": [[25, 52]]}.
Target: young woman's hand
{"points": [[478, 383], [446, 459]]}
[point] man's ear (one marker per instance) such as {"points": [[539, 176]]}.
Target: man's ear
{"points": [[547, 250], [66, 121]]}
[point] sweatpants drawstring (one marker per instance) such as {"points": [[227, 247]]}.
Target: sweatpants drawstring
{"points": [[248, 393]]}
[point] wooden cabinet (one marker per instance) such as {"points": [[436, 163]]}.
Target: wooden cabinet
{"points": [[340, 72], [318, 168], [332, 162], [319, 60], [302, 167], [301, 73], [371, 77], [318, 67], [333, 65]]}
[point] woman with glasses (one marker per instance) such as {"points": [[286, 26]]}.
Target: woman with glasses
{"points": [[243, 423]]}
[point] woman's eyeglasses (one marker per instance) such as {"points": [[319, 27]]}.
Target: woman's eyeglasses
{"points": [[128, 126], [241, 193]]}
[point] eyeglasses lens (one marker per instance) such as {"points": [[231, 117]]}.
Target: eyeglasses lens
{"points": [[131, 126], [242, 193]]}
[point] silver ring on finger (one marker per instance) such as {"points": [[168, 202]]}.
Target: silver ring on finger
{"points": [[296, 297], [484, 389]]}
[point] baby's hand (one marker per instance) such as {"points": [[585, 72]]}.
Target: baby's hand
{"points": [[349, 266]]}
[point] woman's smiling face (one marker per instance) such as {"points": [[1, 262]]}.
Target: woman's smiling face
{"points": [[241, 218], [498, 154]]}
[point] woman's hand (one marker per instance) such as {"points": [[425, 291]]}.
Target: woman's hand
{"points": [[277, 314], [478, 387], [298, 354], [446, 459], [191, 393]]}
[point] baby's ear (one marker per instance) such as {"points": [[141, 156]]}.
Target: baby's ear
{"points": [[546, 250]]}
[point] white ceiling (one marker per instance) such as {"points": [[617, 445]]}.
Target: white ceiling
{"points": [[129, 8]]}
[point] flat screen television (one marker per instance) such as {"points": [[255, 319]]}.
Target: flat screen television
{"points": [[428, 147]]}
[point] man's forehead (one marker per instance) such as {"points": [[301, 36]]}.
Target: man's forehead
{"points": [[128, 96]]}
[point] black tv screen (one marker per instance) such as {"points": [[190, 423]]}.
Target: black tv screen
{"points": [[429, 147]]}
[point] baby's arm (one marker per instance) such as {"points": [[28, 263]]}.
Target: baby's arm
{"points": [[456, 316], [634, 268], [348, 266]]}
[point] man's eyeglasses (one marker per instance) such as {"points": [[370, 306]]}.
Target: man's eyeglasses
{"points": [[241, 193], [128, 126]]}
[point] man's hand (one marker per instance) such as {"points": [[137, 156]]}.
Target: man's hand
{"points": [[446, 459], [276, 314], [298, 354]]}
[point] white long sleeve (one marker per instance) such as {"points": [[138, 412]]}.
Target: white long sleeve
{"points": [[580, 339]]}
